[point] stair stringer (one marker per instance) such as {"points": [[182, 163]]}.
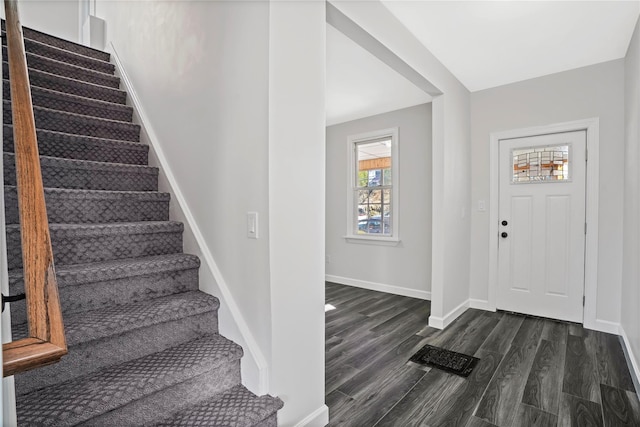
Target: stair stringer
{"points": [[232, 324]]}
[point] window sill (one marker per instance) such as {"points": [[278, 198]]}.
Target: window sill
{"points": [[372, 240]]}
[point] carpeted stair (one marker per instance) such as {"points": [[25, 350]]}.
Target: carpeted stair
{"points": [[144, 348]]}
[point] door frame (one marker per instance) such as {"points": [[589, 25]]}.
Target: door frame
{"points": [[592, 128]]}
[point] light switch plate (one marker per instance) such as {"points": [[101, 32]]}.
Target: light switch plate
{"points": [[252, 225]]}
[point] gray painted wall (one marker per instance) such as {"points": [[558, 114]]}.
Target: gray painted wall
{"points": [[406, 268], [594, 91]]}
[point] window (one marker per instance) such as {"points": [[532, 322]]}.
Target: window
{"points": [[373, 186], [541, 164]]}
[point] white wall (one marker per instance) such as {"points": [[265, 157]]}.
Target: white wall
{"points": [[594, 91], [200, 70], [60, 18], [404, 269], [630, 319], [296, 208], [451, 154]]}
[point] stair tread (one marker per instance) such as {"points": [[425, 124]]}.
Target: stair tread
{"points": [[85, 243], [77, 99], [33, 34], [115, 320], [75, 274], [61, 172], [71, 79], [86, 230], [43, 63], [74, 193], [61, 52], [54, 62], [115, 142], [79, 124], [62, 162], [85, 206], [78, 87], [84, 398], [236, 407], [91, 119]]}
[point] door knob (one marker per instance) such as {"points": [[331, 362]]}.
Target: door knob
{"points": [[504, 234], [504, 223]]}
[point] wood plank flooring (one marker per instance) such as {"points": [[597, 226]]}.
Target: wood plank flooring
{"points": [[532, 372]]}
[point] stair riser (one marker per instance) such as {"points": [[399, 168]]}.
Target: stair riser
{"points": [[88, 178], [64, 44], [119, 349], [79, 125], [69, 249], [66, 56], [91, 296], [146, 412], [74, 87], [62, 102], [52, 66], [78, 209], [83, 148]]}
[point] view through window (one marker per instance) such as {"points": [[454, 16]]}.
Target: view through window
{"points": [[374, 187]]}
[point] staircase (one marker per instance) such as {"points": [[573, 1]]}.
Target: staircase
{"points": [[144, 348]]}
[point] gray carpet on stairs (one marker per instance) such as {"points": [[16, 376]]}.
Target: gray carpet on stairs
{"points": [[144, 348], [41, 63], [70, 103], [79, 147]]}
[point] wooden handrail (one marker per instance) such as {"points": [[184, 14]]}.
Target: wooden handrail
{"points": [[46, 342]]}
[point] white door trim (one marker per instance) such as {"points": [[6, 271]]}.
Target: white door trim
{"points": [[592, 127]]}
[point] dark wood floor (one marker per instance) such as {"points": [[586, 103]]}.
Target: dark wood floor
{"points": [[532, 372]]}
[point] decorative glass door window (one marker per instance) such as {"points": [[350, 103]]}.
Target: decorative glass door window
{"points": [[374, 187], [541, 164]]}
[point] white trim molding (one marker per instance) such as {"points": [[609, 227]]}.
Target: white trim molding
{"points": [[631, 358], [592, 128], [447, 319], [318, 418], [606, 326], [380, 287], [353, 140], [480, 304], [205, 254]]}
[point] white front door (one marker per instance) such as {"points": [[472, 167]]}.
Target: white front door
{"points": [[542, 225]]}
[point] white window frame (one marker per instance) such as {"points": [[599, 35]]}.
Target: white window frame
{"points": [[352, 206]]}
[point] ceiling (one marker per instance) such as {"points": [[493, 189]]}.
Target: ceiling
{"points": [[360, 85], [492, 43], [374, 150], [483, 43]]}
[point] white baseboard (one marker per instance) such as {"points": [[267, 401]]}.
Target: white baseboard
{"points": [[261, 384], [635, 363], [480, 304], [605, 326], [318, 418], [443, 322], [381, 287]]}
